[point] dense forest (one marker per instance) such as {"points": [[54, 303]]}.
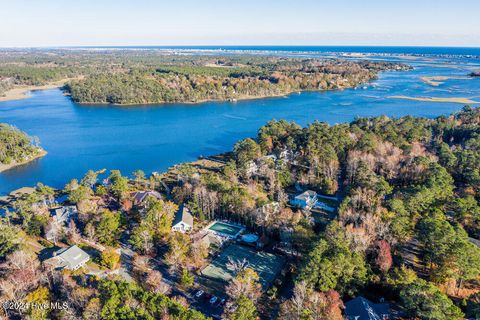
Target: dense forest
{"points": [[221, 80], [16, 146], [410, 190], [151, 76], [403, 229]]}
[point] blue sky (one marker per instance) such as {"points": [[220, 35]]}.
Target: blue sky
{"points": [[268, 22]]}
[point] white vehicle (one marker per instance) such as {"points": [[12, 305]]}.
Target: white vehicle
{"points": [[213, 300], [199, 293]]}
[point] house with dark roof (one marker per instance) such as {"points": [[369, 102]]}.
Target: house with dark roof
{"points": [[361, 308], [71, 258], [140, 196], [183, 221]]}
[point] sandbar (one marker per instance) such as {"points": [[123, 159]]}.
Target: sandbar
{"points": [[436, 99], [438, 80]]}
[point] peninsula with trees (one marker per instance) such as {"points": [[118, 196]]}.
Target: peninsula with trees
{"points": [[154, 77], [17, 148]]}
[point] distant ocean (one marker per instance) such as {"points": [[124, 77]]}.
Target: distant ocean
{"points": [[357, 49]]}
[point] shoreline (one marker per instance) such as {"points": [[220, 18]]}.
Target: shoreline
{"points": [[5, 167], [185, 102], [234, 100], [21, 92]]}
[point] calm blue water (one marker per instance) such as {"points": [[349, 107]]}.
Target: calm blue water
{"points": [[153, 138]]}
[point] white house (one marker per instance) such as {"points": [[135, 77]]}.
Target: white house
{"points": [[183, 221], [71, 258], [305, 200]]}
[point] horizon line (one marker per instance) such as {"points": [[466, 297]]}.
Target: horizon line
{"points": [[239, 46]]}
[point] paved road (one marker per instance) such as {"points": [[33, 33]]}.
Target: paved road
{"points": [[126, 256]]}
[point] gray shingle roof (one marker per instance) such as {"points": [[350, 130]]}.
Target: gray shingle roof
{"points": [[363, 309], [140, 196], [72, 257], [183, 215], [64, 214]]}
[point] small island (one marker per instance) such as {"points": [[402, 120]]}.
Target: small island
{"points": [[17, 148]]}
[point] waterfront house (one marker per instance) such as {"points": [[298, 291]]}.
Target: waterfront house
{"points": [[183, 221], [363, 309], [71, 258], [141, 196], [305, 200], [63, 215], [60, 221]]}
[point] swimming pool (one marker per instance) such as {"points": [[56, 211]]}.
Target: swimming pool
{"points": [[225, 229]]}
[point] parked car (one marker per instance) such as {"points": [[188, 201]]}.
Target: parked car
{"points": [[213, 300], [199, 293], [222, 302]]}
